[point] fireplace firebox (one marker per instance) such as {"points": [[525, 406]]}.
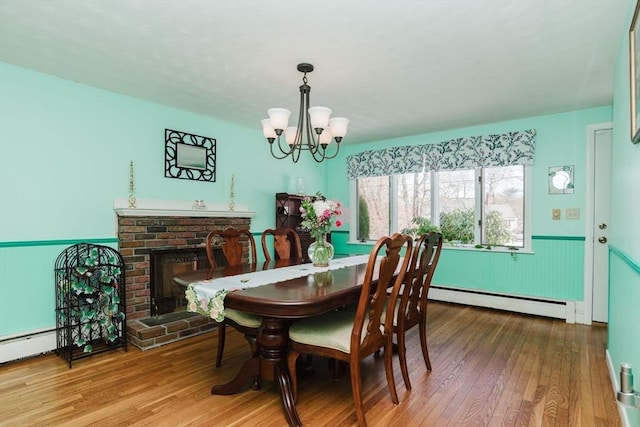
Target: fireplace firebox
{"points": [[166, 295]]}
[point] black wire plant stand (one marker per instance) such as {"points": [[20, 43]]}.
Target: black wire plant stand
{"points": [[90, 301]]}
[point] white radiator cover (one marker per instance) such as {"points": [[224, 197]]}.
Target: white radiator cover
{"points": [[521, 304], [27, 344]]}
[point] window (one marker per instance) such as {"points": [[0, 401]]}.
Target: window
{"points": [[473, 206], [414, 198], [373, 208], [503, 206]]}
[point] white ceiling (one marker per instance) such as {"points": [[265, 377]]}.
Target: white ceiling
{"points": [[394, 68]]}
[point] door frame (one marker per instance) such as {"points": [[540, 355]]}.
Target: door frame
{"points": [[589, 218]]}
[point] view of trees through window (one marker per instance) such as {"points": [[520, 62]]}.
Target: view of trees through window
{"points": [[414, 198], [373, 195], [503, 206], [476, 206]]}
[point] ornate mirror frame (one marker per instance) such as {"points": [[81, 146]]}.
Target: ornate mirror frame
{"points": [[189, 156]]}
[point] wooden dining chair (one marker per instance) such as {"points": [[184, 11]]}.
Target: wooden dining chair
{"points": [[286, 243], [411, 308], [233, 243], [351, 336]]}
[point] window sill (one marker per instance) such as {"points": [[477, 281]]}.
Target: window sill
{"points": [[499, 249], [358, 242]]}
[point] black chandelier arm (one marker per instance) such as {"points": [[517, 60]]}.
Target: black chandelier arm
{"points": [[295, 154], [304, 119], [285, 154], [294, 151], [311, 140], [285, 148], [320, 154]]}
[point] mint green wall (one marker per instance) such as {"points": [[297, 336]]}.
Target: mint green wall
{"points": [[27, 284], [65, 156], [624, 254], [555, 269], [556, 274]]}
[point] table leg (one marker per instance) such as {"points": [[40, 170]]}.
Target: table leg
{"points": [[247, 372], [273, 339], [286, 393]]}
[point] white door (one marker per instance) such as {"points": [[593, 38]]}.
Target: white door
{"points": [[601, 226]]}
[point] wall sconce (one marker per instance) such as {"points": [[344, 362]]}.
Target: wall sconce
{"points": [[627, 396], [561, 179]]}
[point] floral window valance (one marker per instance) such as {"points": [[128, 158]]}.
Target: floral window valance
{"points": [[512, 148]]}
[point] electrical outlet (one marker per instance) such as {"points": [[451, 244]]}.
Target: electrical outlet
{"points": [[555, 214], [572, 213]]}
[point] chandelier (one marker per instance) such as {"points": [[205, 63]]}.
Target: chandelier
{"points": [[314, 132]]}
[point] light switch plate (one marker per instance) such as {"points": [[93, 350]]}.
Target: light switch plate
{"points": [[572, 213], [555, 214]]}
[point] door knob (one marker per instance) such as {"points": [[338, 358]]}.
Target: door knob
{"points": [[602, 239], [602, 226]]}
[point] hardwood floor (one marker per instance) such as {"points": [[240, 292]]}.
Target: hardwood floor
{"points": [[490, 368]]}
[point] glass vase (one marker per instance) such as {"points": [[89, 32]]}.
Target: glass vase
{"points": [[320, 252]]}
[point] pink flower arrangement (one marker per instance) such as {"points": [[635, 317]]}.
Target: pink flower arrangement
{"points": [[319, 214]]}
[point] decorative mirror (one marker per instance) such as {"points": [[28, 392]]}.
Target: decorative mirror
{"points": [[188, 156], [561, 179]]}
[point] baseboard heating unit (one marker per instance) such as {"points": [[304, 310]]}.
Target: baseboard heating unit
{"points": [[520, 304], [26, 345]]}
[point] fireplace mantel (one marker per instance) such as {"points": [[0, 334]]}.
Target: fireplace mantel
{"points": [[155, 207]]}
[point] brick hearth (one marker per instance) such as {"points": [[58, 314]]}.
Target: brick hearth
{"points": [[145, 337]]}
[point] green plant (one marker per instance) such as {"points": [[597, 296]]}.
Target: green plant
{"points": [[457, 225], [363, 220], [497, 233], [423, 226], [478, 246], [99, 300]]}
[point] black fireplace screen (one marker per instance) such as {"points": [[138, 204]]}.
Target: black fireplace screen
{"points": [[166, 295]]}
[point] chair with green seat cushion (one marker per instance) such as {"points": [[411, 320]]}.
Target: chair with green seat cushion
{"points": [[233, 244], [412, 301], [351, 336]]}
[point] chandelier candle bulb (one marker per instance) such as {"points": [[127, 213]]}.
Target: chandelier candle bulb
{"points": [[268, 131], [319, 118], [325, 138], [338, 126], [279, 119]]}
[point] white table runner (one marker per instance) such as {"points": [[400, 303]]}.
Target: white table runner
{"points": [[207, 297]]}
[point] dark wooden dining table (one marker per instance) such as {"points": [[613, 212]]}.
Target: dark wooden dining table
{"points": [[280, 304]]}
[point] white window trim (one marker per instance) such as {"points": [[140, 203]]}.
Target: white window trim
{"points": [[393, 187]]}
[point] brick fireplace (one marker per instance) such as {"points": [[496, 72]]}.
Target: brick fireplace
{"points": [[157, 226]]}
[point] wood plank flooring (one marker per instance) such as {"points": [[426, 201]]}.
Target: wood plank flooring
{"points": [[490, 368]]}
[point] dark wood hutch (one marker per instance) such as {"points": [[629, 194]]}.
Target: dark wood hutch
{"points": [[288, 215]]}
